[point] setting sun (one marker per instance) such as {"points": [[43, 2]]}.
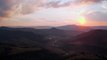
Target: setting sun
{"points": [[82, 20]]}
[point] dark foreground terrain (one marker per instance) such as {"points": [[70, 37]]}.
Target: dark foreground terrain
{"points": [[52, 44]]}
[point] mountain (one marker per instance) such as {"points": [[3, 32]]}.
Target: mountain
{"points": [[12, 52], [51, 31], [81, 28], [42, 27], [74, 27], [57, 32], [20, 37], [94, 37], [52, 44], [100, 27], [94, 42], [91, 45], [35, 27], [31, 37], [67, 27], [24, 44]]}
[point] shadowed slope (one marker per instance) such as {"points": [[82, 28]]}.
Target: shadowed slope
{"points": [[94, 37]]}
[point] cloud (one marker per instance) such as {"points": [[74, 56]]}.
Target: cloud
{"points": [[5, 7], [97, 16], [87, 2], [9, 8], [57, 3], [65, 3], [104, 4], [93, 1], [30, 6]]}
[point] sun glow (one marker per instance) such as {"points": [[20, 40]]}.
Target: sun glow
{"points": [[82, 20]]}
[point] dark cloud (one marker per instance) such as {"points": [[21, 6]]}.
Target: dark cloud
{"points": [[9, 8], [56, 4]]}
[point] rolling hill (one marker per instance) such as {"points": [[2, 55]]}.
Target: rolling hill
{"points": [[52, 44], [92, 42]]}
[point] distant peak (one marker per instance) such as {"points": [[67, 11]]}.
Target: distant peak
{"points": [[71, 25], [53, 28]]}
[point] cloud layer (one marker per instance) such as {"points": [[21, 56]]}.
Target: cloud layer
{"points": [[97, 16], [9, 7]]}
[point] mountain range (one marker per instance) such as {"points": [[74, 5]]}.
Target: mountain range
{"points": [[71, 27], [53, 44], [67, 27], [91, 45]]}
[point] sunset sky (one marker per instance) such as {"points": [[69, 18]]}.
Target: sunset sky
{"points": [[53, 12]]}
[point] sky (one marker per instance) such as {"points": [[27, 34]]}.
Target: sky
{"points": [[53, 12]]}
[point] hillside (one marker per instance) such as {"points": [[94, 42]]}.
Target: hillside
{"points": [[92, 42], [94, 37], [52, 44]]}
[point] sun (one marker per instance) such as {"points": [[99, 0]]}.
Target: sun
{"points": [[82, 20]]}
